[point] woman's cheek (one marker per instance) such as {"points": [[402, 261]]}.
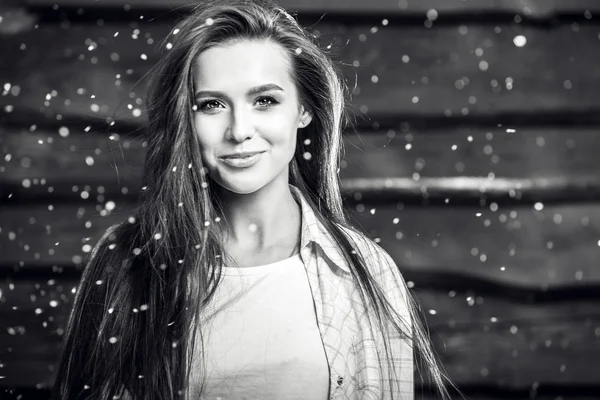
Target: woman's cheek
{"points": [[281, 131]]}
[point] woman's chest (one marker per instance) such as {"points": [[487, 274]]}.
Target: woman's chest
{"points": [[261, 339]]}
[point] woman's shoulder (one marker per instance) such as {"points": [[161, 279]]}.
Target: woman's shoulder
{"points": [[380, 263], [111, 252], [383, 269], [117, 235], [106, 267], [368, 248], [109, 235]]}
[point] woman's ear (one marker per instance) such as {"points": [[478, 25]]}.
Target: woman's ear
{"points": [[305, 119]]}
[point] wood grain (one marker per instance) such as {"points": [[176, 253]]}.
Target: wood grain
{"points": [[530, 164], [481, 340], [421, 393], [517, 246], [90, 75], [527, 7], [454, 115]]}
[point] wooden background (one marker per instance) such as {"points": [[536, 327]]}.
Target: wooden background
{"points": [[476, 167]]}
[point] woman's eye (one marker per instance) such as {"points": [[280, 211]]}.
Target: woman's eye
{"points": [[204, 105], [268, 98], [264, 102]]}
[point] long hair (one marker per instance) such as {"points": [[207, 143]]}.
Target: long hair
{"points": [[133, 324]]}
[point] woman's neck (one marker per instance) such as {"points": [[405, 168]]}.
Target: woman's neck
{"points": [[259, 221]]}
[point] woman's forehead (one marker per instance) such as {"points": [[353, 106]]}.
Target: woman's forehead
{"points": [[240, 61]]}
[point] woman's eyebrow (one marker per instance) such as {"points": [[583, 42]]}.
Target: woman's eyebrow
{"points": [[252, 91]]}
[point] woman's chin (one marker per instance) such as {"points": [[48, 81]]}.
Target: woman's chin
{"points": [[242, 185]]}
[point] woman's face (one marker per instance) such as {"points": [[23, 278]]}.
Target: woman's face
{"points": [[246, 102]]}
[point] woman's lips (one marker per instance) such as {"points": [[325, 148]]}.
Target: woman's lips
{"points": [[241, 162], [242, 154]]}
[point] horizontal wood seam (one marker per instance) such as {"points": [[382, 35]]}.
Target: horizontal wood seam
{"points": [[439, 280]]}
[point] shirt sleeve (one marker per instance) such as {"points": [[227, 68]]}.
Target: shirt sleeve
{"points": [[402, 366], [382, 372]]}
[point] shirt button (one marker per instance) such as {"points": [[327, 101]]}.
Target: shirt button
{"points": [[340, 380]]}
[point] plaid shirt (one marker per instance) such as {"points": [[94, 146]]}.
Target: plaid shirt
{"points": [[351, 346]]}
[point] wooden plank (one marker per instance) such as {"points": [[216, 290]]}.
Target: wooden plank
{"points": [[464, 73], [481, 340], [517, 344], [475, 190], [517, 246], [531, 164], [527, 7], [33, 318], [507, 151], [40, 160], [421, 393]]}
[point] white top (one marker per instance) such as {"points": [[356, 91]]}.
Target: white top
{"points": [[261, 336]]}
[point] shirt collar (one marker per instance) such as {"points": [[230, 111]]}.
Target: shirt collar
{"points": [[314, 231]]}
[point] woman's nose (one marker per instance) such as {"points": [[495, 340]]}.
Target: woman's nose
{"points": [[241, 127]]}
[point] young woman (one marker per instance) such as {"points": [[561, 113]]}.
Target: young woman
{"points": [[238, 275]]}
